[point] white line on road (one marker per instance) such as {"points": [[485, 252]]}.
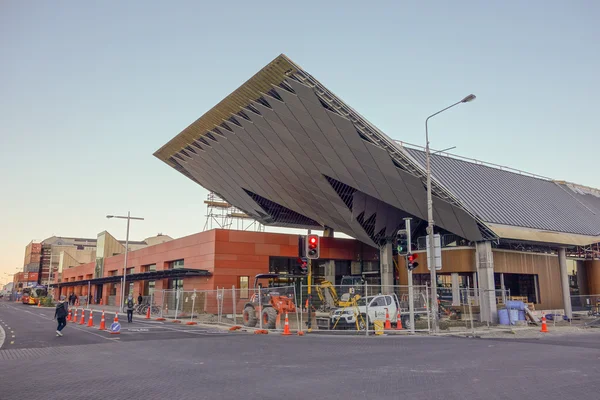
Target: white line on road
{"points": [[83, 330]]}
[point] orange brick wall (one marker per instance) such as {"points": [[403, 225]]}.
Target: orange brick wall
{"points": [[227, 254]]}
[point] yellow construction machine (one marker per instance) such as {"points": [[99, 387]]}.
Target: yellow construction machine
{"points": [[329, 296]]}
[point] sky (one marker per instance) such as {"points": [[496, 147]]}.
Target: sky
{"points": [[89, 90]]}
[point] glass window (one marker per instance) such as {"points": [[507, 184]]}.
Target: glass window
{"points": [[177, 264], [377, 302], [523, 286], [149, 268], [175, 284], [244, 287]]}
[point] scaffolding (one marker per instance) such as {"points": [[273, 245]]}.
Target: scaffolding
{"points": [[222, 215]]}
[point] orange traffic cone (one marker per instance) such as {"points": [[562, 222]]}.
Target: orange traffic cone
{"points": [[544, 326], [39, 303], [148, 313], [388, 323], [75, 316], [82, 320], [69, 315], [91, 319], [399, 322], [115, 321], [102, 322], [286, 327]]}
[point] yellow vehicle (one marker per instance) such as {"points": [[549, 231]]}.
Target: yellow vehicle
{"points": [[32, 295], [352, 285]]}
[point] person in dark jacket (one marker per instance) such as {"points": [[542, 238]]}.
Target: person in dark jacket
{"points": [[140, 298], [60, 314], [130, 306]]}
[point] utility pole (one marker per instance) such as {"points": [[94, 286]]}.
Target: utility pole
{"points": [[123, 281], [411, 295], [309, 279], [431, 260]]}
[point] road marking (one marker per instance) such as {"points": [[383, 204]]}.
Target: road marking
{"points": [[12, 342]]}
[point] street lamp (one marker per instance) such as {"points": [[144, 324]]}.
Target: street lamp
{"points": [[431, 261], [128, 218]]}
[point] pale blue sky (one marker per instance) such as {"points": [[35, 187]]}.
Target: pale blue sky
{"points": [[89, 91]]}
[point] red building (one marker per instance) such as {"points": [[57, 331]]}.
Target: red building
{"points": [[24, 279], [211, 259]]}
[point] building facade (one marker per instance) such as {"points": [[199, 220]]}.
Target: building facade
{"points": [[225, 258], [58, 251], [288, 152], [228, 258]]}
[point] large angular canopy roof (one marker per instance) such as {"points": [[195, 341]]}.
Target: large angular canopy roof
{"points": [[288, 152]]}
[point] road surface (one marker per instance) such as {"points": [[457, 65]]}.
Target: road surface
{"points": [[164, 360]]}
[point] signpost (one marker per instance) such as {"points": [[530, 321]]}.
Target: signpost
{"points": [[115, 327], [411, 296], [437, 244]]}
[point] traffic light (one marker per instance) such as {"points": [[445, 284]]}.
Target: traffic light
{"points": [[401, 242], [312, 247], [303, 265], [411, 262]]}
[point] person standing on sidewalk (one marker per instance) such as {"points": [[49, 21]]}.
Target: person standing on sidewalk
{"points": [[130, 305], [60, 314]]}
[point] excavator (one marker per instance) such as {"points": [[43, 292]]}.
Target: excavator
{"points": [[329, 296]]}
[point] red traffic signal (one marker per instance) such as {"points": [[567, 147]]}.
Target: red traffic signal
{"points": [[303, 266], [410, 261], [312, 246]]}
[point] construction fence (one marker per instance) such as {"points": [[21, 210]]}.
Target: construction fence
{"points": [[465, 311], [356, 309], [259, 308], [589, 304], [364, 308]]}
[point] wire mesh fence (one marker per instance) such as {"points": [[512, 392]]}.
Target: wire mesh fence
{"points": [[468, 310], [364, 308], [358, 308], [260, 308], [589, 304]]}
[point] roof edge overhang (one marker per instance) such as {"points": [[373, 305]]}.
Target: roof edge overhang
{"points": [[274, 74], [271, 75], [542, 236]]}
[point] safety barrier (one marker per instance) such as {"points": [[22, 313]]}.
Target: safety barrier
{"points": [[362, 307], [252, 308]]}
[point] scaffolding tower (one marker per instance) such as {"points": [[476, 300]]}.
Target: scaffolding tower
{"points": [[222, 215]]}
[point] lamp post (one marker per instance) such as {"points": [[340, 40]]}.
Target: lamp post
{"points": [[431, 261], [128, 218]]}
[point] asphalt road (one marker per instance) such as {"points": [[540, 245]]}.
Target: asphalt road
{"points": [[29, 327], [160, 363]]}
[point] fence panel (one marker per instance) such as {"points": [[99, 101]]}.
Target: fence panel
{"points": [[589, 304], [465, 312], [353, 308]]}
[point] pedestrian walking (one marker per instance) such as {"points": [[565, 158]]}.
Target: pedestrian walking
{"points": [[130, 305], [60, 314], [140, 299]]}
